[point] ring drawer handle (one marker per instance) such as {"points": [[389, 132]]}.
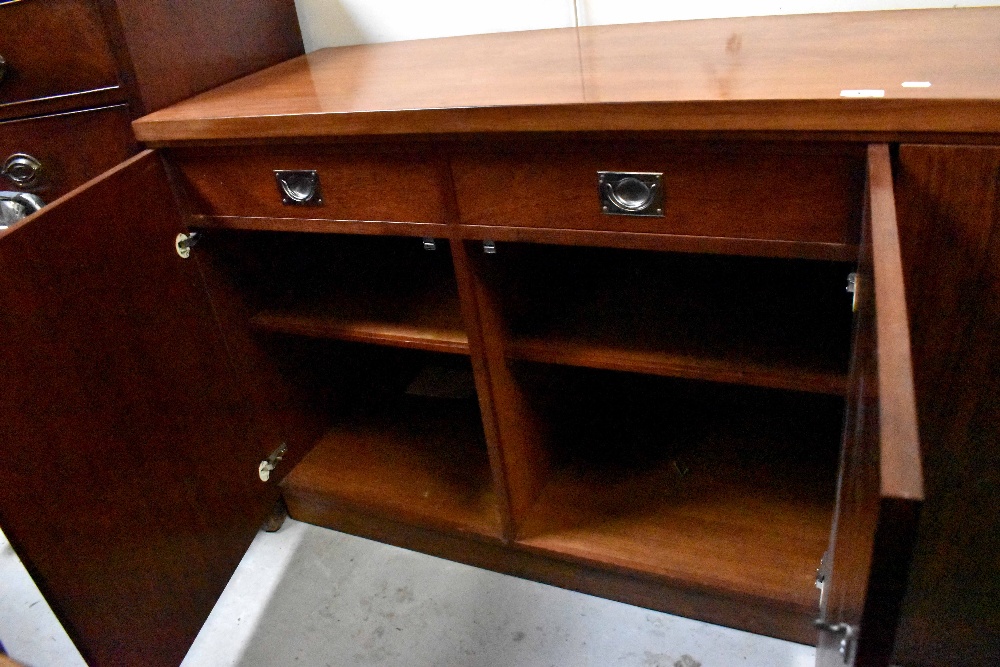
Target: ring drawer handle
{"points": [[15, 206], [298, 187], [23, 170], [631, 193]]}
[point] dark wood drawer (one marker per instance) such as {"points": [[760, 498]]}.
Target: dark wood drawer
{"points": [[53, 48], [71, 147], [365, 183], [795, 192]]}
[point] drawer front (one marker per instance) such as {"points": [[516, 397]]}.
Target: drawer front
{"points": [[52, 48], [66, 150], [804, 193], [356, 183]]}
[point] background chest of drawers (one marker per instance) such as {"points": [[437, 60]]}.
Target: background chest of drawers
{"points": [[451, 346], [74, 73]]}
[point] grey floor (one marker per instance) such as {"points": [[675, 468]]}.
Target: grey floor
{"points": [[307, 596]]}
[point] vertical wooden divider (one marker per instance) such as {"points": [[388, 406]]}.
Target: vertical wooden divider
{"points": [[519, 463]]}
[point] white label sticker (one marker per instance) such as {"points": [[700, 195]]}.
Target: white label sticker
{"points": [[862, 93], [916, 84]]}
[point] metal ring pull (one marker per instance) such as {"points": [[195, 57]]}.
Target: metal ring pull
{"points": [[15, 206], [631, 193], [299, 187], [23, 170]]}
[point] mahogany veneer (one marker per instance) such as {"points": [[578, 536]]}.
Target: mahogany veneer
{"points": [[682, 413]]}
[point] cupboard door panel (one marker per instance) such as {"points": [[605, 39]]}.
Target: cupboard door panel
{"points": [[949, 216], [130, 485], [880, 488]]}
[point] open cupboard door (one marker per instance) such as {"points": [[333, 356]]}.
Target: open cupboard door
{"points": [[880, 487], [130, 484]]}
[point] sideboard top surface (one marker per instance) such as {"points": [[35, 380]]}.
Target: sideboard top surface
{"points": [[746, 74]]}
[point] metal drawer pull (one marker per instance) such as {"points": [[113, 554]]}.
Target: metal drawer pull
{"points": [[15, 206], [298, 187], [631, 193], [23, 170], [3, 68]]}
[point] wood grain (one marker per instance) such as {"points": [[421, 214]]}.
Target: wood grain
{"points": [[948, 212], [785, 192], [57, 50], [129, 473], [369, 183], [720, 490], [418, 460], [101, 138], [772, 323], [880, 489], [382, 290], [752, 74], [672, 597], [169, 51]]}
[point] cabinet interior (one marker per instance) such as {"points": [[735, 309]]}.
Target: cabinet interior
{"points": [[368, 329], [684, 410]]}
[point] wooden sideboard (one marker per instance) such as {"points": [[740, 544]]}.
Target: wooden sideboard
{"points": [[460, 342]]}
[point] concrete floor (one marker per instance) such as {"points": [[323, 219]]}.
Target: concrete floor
{"points": [[312, 597]]}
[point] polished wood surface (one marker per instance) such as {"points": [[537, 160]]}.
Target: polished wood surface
{"points": [[58, 57], [748, 613], [880, 489], [948, 214], [771, 323], [386, 291], [728, 489], [750, 74], [785, 192], [131, 488], [419, 460], [73, 147], [169, 51], [392, 183]]}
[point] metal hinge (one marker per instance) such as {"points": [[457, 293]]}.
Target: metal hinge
{"points": [[269, 464], [849, 641], [184, 242], [852, 287]]}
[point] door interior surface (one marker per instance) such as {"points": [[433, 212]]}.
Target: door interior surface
{"points": [[880, 486], [130, 489]]}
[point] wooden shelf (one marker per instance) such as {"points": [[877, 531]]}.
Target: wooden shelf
{"points": [[366, 289], [749, 516], [647, 359], [418, 460], [436, 327], [764, 322]]}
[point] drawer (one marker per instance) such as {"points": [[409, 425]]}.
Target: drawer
{"points": [[71, 148], [356, 183], [797, 192], [52, 48]]}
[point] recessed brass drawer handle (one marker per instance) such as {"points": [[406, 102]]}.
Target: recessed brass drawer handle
{"points": [[23, 170], [631, 193], [298, 187]]}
